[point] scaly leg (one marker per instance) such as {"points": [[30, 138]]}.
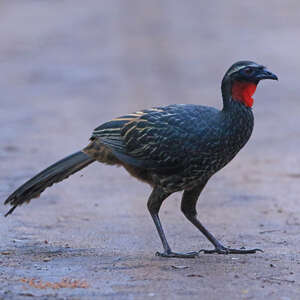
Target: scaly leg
{"points": [[188, 207], [154, 203]]}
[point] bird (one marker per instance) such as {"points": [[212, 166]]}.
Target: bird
{"points": [[172, 148]]}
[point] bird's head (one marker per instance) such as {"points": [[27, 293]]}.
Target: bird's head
{"points": [[240, 81]]}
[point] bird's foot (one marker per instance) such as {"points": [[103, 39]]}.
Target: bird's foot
{"points": [[225, 250], [171, 254]]}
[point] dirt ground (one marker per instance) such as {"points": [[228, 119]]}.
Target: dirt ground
{"points": [[68, 66]]}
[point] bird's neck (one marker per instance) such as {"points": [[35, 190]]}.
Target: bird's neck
{"points": [[239, 116], [237, 91]]}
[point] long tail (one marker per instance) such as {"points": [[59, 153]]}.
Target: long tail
{"points": [[55, 173]]}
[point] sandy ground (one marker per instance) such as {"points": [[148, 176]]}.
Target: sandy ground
{"points": [[68, 66]]}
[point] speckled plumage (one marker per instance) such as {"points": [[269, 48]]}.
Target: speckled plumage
{"points": [[173, 148], [177, 146]]}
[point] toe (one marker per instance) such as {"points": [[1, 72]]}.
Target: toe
{"points": [[225, 250], [177, 255]]}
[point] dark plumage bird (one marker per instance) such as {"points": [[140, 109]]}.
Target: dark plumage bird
{"points": [[172, 148]]}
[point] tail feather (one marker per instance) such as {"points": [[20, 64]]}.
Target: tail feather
{"points": [[53, 174]]}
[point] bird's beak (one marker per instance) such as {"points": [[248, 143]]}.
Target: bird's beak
{"points": [[265, 74]]}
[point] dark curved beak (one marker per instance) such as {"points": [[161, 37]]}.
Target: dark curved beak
{"points": [[265, 74]]}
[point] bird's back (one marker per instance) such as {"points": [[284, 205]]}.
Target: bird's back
{"points": [[177, 145]]}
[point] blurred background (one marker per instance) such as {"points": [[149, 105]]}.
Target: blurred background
{"points": [[68, 66]]}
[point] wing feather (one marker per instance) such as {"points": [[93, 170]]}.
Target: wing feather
{"points": [[155, 138]]}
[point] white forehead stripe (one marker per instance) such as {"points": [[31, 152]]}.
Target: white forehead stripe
{"points": [[240, 67]]}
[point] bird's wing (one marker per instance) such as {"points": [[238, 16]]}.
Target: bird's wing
{"points": [[158, 138]]}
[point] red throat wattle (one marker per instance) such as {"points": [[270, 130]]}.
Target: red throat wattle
{"points": [[243, 91]]}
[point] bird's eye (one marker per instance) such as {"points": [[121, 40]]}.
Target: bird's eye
{"points": [[248, 71]]}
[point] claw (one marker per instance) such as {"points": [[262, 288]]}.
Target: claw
{"points": [[230, 251], [177, 255]]}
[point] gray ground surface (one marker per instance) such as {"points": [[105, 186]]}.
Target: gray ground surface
{"points": [[66, 67]]}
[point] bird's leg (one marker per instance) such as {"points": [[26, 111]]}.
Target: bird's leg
{"points": [[154, 203], [188, 207]]}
